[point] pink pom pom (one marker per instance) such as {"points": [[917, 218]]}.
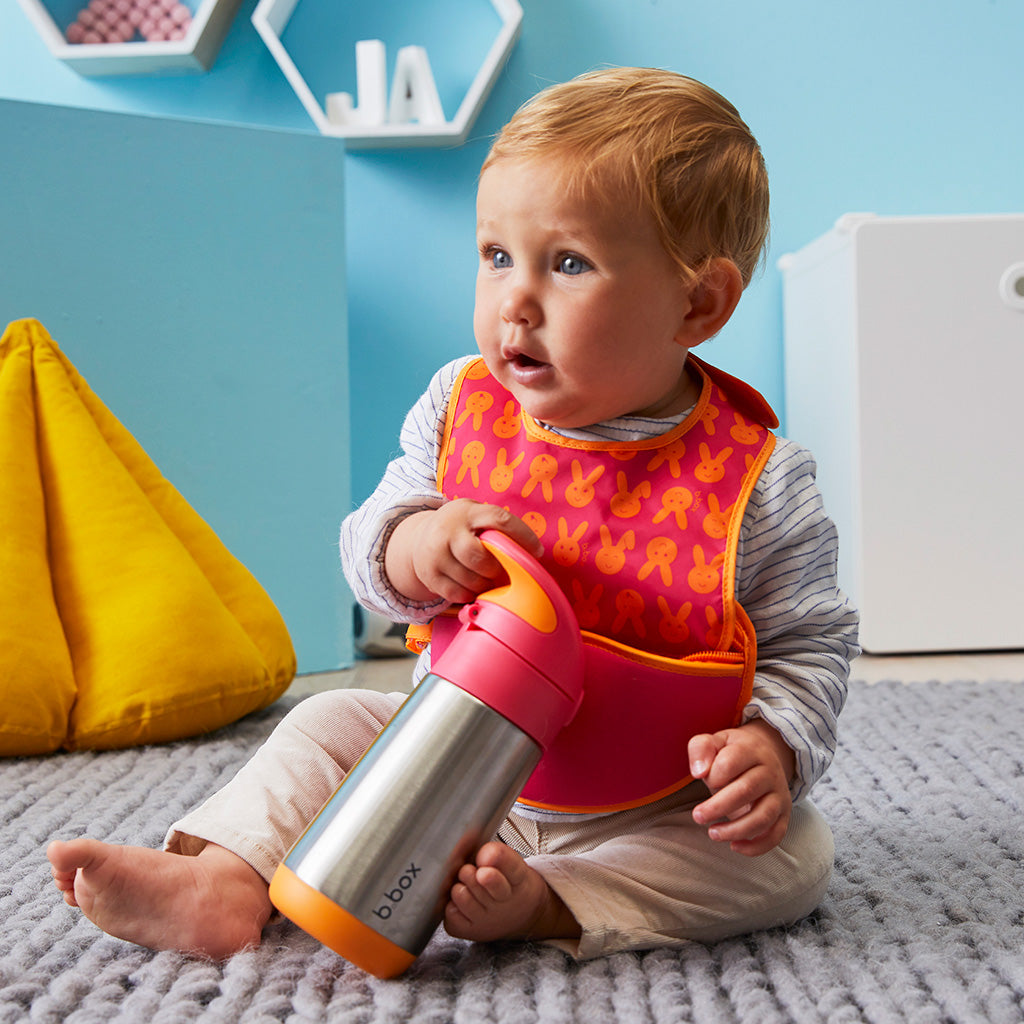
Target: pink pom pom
{"points": [[75, 32], [180, 14], [177, 34], [86, 18], [92, 36]]}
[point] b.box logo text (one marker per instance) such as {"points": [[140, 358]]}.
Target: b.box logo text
{"points": [[396, 895]]}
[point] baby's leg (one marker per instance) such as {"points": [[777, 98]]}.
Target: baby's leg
{"points": [[262, 811], [214, 900], [651, 877]]}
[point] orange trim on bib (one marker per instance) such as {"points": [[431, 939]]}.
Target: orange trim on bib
{"points": [[417, 637]]}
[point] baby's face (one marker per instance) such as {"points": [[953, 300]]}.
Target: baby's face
{"points": [[580, 312]]}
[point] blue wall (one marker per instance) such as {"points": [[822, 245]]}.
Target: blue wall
{"points": [[186, 274], [895, 108]]}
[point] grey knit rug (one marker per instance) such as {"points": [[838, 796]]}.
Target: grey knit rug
{"points": [[924, 921]]}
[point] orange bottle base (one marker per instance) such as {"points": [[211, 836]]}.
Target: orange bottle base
{"points": [[336, 928]]}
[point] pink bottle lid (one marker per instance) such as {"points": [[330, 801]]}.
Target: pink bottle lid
{"points": [[519, 648]]}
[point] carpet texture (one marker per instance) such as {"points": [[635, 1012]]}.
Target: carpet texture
{"points": [[923, 922]]}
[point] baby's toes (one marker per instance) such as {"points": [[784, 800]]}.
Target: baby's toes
{"points": [[64, 880], [466, 899], [494, 884], [66, 887]]}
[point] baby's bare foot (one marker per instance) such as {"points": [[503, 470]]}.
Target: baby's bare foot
{"points": [[502, 897], [213, 905]]}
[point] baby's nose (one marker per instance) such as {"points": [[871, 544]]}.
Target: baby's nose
{"points": [[520, 306]]}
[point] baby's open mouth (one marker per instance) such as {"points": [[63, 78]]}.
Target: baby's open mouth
{"points": [[526, 362]]}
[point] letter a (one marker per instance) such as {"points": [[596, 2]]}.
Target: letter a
{"points": [[413, 92]]}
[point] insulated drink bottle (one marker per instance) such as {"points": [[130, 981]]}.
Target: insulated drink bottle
{"points": [[370, 877]]}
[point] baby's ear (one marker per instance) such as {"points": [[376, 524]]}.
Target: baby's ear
{"points": [[713, 298]]}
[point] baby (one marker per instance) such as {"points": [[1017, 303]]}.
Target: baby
{"points": [[619, 218]]}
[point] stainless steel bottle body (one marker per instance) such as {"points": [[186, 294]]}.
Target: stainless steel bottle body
{"points": [[433, 787]]}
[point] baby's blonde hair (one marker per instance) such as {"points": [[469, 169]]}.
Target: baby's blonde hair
{"points": [[668, 143]]}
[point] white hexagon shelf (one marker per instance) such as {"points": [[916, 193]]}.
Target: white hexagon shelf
{"points": [[271, 19], [196, 52]]}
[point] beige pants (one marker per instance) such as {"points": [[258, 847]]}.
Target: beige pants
{"points": [[637, 879]]}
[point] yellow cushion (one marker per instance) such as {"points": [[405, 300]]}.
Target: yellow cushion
{"points": [[123, 618]]}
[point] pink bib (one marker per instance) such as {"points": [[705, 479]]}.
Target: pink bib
{"points": [[642, 537]]}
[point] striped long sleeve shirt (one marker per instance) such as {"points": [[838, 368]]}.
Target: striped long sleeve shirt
{"points": [[785, 573]]}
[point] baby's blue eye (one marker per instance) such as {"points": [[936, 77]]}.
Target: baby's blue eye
{"points": [[572, 265], [500, 259]]}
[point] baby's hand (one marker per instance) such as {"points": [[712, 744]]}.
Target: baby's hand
{"points": [[438, 553], [748, 771]]}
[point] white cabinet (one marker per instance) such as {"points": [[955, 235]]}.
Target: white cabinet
{"points": [[904, 344]]}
